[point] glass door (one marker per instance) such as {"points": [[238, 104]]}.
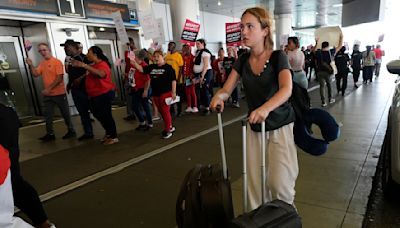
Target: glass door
{"points": [[14, 83]]}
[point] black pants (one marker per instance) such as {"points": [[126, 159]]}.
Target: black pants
{"points": [[356, 74], [341, 82], [101, 108], [310, 71], [82, 104], [367, 73], [25, 196], [206, 89]]}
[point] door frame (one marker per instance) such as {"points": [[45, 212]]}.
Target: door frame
{"points": [[27, 81]]}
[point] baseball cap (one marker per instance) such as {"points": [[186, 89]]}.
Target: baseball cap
{"points": [[70, 42]]}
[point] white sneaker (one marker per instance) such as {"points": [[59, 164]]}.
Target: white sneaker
{"points": [[189, 109], [155, 118], [195, 110], [331, 101], [323, 104], [172, 129]]}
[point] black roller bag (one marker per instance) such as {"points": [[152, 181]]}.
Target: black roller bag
{"points": [[275, 214], [205, 197]]}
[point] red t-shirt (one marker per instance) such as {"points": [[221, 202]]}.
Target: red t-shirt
{"points": [[188, 61], [378, 53], [141, 78], [4, 164], [96, 86]]}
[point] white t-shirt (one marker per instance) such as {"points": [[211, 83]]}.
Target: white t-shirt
{"points": [[296, 60], [199, 68]]}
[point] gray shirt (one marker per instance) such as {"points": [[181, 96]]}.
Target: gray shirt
{"points": [[259, 89]]}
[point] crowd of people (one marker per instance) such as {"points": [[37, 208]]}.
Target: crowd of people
{"points": [[158, 83], [327, 61]]}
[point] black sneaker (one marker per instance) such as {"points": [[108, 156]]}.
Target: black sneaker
{"points": [[130, 117], [85, 137], [166, 134], [142, 127], [48, 138], [70, 134], [206, 112]]}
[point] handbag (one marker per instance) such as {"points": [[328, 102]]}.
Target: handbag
{"points": [[328, 67]]}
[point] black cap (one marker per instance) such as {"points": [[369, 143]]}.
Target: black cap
{"points": [[70, 42]]}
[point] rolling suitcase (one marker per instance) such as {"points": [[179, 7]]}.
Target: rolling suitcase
{"points": [[205, 197], [277, 213]]}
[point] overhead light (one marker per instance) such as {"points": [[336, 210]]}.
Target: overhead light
{"points": [[316, 13], [337, 5], [219, 3], [101, 29]]}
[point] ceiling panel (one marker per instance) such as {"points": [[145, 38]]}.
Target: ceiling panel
{"points": [[306, 13]]}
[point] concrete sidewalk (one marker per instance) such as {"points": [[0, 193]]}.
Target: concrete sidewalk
{"points": [[332, 190]]}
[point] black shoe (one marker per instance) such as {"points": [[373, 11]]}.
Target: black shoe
{"points": [[84, 137], [206, 112], [355, 86], [70, 134], [48, 138], [142, 127], [130, 117], [166, 134]]}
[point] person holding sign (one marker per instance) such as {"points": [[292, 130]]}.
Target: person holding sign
{"points": [[129, 54], [140, 94], [163, 85], [325, 68], [52, 72]]}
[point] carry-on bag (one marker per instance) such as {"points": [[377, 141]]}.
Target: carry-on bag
{"points": [[205, 197], [274, 214]]}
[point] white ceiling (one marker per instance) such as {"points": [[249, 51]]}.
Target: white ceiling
{"points": [[306, 13]]}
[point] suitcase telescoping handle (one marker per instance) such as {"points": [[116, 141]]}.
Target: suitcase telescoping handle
{"points": [[244, 172], [222, 144]]}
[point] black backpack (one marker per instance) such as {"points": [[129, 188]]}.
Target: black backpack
{"points": [[299, 99]]}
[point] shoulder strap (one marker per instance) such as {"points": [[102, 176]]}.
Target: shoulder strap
{"points": [[273, 59]]}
